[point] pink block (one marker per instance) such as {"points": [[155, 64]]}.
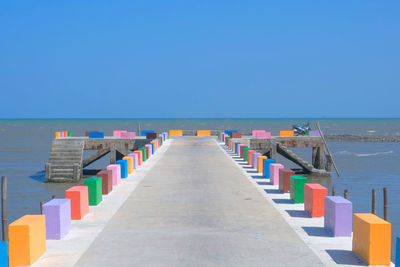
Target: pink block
{"points": [[254, 132], [116, 173], [274, 172], [128, 135], [148, 149], [118, 132], [239, 149], [263, 135]]}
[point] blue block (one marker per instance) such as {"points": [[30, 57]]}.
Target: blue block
{"points": [[96, 135], [124, 168], [397, 260], [236, 148], [152, 148], [266, 163], [3, 254], [144, 132], [228, 132]]}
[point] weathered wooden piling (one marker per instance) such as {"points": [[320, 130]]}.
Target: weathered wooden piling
{"points": [[333, 191], [373, 208], [346, 194], [4, 227], [385, 204]]}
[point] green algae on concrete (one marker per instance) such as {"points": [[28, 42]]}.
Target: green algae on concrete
{"points": [[297, 183], [94, 185]]}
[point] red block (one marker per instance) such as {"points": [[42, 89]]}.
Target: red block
{"points": [[140, 156], [314, 199], [106, 181], [79, 201], [236, 135], [284, 179], [242, 151]]}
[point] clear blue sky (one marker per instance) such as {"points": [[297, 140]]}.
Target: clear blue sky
{"points": [[61, 59]]}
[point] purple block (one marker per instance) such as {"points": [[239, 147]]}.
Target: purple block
{"points": [[314, 133], [254, 160], [135, 160], [58, 218], [338, 217]]}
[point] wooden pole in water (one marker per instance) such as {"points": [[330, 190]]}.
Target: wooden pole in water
{"points": [[4, 227], [346, 194], [327, 149], [41, 207], [333, 191], [385, 203], [53, 196], [373, 208]]}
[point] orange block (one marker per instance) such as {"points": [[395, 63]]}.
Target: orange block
{"points": [[79, 197], [203, 133], [175, 132], [57, 135], [27, 240], [249, 156], [286, 133], [314, 199], [233, 146], [139, 153], [371, 238], [260, 163], [129, 159]]}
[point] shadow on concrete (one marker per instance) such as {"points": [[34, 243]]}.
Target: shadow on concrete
{"points": [[282, 201], [39, 176], [252, 171], [345, 257], [298, 214], [247, 167], [243, 164], [316, 231], [273, 191], [262, 183]]}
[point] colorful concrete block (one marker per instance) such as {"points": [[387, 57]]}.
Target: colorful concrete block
{"points": [[69, 134], [274, 173], [128, 135], [117, 133], [249, 157], [228, 132], [87, 132], [94, 185], [266, 167], [246, 153], [240, 150], [314, 199], [144, 153], [96, 135], [148, 150], [235, 135], [144, 132], [153, 147], [286, 133], [58, 217], [254, 160], [175, 132], [135, 160], [106, 181], [297, 183], [27, 240], [116, 173], [284, 179], [124, 168], [397, 260], [203, 133], [139, 153], [254, 132], [57, 135], [62, 134], [314, 133], [3, 254], [338, 215], [260, 165], [264, 135], [151, 135], [371, 238], [79, 196], [130, 163]]}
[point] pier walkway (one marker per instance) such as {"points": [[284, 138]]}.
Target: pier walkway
{"points": [[195, 207]]}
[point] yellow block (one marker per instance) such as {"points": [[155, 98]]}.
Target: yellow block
{"points": [[129, 159], [27, 240], [371, 238], [286, 133], [203, 133], [57, 135], [260, 163], [175, 132]]}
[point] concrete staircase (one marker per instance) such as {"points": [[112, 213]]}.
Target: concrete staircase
{"points": [[290, 155], [65, 164]]}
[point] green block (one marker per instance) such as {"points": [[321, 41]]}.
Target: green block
{"points": [[246, 153], [69, 133], [94, 185], [144, 153], [297, 183]]}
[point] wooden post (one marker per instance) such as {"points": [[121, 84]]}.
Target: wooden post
{"points": [[373, 208], [41, 207], [53, 196], [4, 226], [346, 194], [327, 149], [385, 203], [333, 191]]}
